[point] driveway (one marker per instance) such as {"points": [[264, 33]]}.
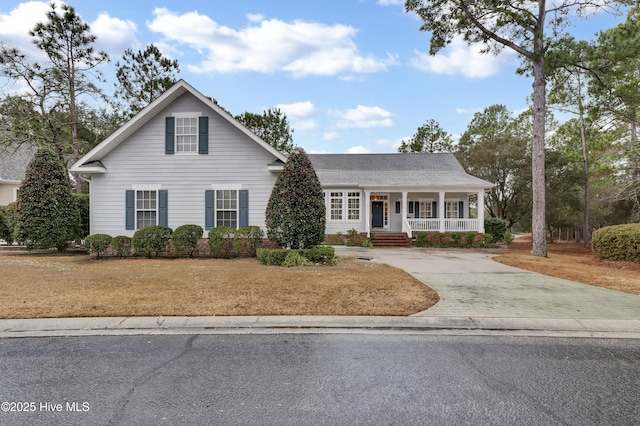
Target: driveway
{"points": [[471, 284]]}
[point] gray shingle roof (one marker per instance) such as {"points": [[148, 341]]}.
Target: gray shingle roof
{"points": [[13, 162], [385, 170]]}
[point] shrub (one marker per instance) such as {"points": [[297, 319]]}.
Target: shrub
{"points": [[294, 258], [496, 227], [508, 237], [274, 257], [336, 238], [618, 242], [12, 222], [320, 254], [470, 238], [221, 241], [97, 243], [47, 214], [487, 239], [151, 240], [422, 239], [246, 240], [278, 257], [82, 206], [354, 238], [296, 212], [367, 243], [121, 245], [185, 239], [5, 231], [438, 238], [456, 237]]}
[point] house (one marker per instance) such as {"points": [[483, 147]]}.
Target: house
{"points": [[13, 164], [183, 159]]}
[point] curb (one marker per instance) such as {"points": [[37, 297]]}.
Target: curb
{"points": [[131, 326]]}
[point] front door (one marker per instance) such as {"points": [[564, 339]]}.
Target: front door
{"points": [[377, 212]]}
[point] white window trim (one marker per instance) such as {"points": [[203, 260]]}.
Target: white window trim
{"points": [[345, 204], [145, 210], [146, 187], [237, 209], [175, 136]]}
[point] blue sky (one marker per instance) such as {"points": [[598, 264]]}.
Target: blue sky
{"points": [[352, 75]]}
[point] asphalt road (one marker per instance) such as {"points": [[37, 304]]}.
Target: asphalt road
{"points": [[335, 379]]}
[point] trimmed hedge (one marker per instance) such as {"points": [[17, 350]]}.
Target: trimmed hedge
{"points": [[247, 240], [618, 242], [97, 243], [152, 240], [221, 241], [121, 245], [496, 227], [185, 239], [289, 257]]}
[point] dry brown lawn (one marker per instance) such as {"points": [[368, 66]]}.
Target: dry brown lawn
{"points": [[76, 285], [573, 261]]}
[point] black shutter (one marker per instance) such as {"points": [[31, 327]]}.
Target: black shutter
{"points": [[163, 207], [434, 209], [416, 210], [244, 208], [209, 208], [130, 210], [203, 135], [461, 210], [169, 135]]}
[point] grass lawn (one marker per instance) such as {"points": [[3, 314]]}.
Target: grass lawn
{"points": [[55, 285]]}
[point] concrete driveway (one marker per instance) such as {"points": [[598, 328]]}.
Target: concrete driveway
{"points": [[470, 283]]}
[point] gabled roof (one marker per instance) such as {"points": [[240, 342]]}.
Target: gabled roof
{"points": [[437, 170], [14, 161], [87, 162]]}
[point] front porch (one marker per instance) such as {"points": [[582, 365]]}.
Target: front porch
{"points": [[413, 211]]}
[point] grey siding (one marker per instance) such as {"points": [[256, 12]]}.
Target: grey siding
{"points": [[233, 160]]}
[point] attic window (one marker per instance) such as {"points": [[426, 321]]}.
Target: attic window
{"points": [[186, 134]]}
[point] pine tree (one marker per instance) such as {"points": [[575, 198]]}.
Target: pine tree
{"points": [[296, 212], [47, 215]]}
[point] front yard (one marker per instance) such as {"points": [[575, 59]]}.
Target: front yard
{"points": [[76, 285]]}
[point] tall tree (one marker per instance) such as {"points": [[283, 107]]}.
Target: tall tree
{"points": [[272, 127], [522, 27], [429, 137], [46, 211], [296, 214], [67, 42], [616, 92], [568, 93], [494, 147], [143, 76]]}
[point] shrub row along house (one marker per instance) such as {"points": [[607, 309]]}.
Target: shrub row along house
{"points": [[183, 160]]}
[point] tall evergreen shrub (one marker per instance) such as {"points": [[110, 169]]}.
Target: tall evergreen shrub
{"points": [[46, 212], [296, 213]]}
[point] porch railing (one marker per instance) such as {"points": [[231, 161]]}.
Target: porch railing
{"points": [[450, 225]]}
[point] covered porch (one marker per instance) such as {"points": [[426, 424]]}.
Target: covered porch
{"points": [[415, 210]]}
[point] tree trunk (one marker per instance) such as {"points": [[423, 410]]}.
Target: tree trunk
{"points": [[538, 158], [587, 197]]}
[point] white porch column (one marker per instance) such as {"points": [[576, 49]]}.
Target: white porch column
{"points": [[441, 210], [481, 212], [367, 212], [403, 212]]}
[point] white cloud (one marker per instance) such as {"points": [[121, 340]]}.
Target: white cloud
{"points": [[467, 110], [363, 117], [330, 136], [298, 47], [390, 2], [114, 35], [391, 144], [255, 17], [298, 109], [299, 113], [459, 58], [15, 26], [358, 150]]}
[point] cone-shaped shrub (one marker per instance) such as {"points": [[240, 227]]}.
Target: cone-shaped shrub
{"points": [[296, 213], [46, 211]]}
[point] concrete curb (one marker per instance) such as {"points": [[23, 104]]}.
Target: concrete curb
{"points": [[51, 327]]}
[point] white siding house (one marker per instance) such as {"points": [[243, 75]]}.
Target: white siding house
{"points": [[184, 160], [181, 160]]}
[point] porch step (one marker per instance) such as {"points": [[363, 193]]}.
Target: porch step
{"points": [[390, 239]]}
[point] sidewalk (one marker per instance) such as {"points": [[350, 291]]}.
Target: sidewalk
{"points": [[478, 297]]}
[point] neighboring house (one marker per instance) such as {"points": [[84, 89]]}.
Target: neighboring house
{"points": [[184, 160], [13, 163]]}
